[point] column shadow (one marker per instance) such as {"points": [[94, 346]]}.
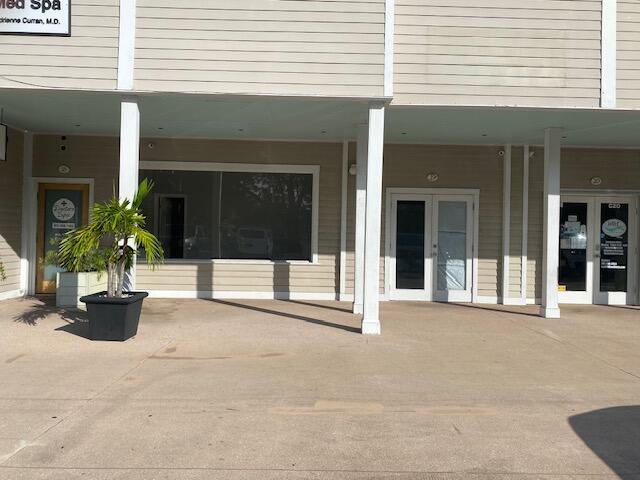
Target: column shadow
{"points": [[613, 434]]}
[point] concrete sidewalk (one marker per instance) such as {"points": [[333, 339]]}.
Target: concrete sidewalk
{"points": [[271, 389]]}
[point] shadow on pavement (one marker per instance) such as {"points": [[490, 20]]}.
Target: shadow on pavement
{"points": [[614, 435], [267, 311]]}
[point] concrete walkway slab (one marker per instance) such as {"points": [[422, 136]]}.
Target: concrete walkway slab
{"points": [[275, 389]]}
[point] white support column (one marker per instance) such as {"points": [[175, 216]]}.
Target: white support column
{"points": [[343, 219], [506, 222], [27, 213], [551, 223], [525, 224], [361, 206], [126, 45], [371, 307], [129, 160]]}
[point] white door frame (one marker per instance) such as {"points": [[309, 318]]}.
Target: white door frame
{"points": [[630, 296], [586, 296], [425, 294], [592, 295], [33, 219], [453, 295], [390, 192]]}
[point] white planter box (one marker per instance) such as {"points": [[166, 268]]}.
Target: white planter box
{"points": [[72, 286]]}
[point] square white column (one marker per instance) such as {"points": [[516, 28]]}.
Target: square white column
{"points": [[129, 162], [373, 220], [551, 224], [361, 205]]}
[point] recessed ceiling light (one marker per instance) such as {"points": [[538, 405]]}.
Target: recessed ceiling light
{"points": [[404, 133], [241, 129], [160, 128], [324, 131], [484, 134], [77, 124]]}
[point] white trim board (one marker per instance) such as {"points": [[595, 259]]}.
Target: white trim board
{"points": [[313, 170], [126, 45], [10, 294], [506, 221], [242, 295], [343, 218], [524, 258], [389, 31], [608, 55]]}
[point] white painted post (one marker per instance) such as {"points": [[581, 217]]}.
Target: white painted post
{"points": [[525, 224], [27, 212], [361, 206], [343, 219], [506, 222], [371, 304], [129, 161], [551, 223]]}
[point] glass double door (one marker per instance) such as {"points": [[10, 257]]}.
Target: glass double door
{"points": [[431, 247], [598, 250]]}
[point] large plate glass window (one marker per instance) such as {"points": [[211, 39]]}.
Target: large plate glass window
{"points": [[231, 215]]}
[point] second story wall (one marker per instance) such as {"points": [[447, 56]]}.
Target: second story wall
{"points": [[88, 59], [279, 47], [628, 64], [498, 52]]}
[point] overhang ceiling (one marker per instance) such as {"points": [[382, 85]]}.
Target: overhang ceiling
{"points": [[200, 116]]}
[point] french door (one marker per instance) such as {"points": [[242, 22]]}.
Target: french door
{"points": [[431, 247], [598, 250]]}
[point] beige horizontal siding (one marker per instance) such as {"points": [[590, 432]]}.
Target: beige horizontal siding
{"points": [[497, 52], [279, 47], [222, 276], [406, 166], [86, 60], [628, 56], [11, 212]]}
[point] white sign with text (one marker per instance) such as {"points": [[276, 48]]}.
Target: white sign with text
{"points": [[35, 17]]}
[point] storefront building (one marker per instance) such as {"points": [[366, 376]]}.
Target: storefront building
{"points": [[321, 150]]}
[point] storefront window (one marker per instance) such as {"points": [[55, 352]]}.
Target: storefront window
{"points": [[231, 215]]}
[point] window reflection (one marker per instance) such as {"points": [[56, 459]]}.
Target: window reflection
{"points": [[231, 215]]}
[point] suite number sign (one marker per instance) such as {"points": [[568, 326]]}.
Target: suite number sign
{"points": [[35, 17]]}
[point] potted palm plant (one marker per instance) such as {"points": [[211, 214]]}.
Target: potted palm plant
{"points": [[118, 229]]}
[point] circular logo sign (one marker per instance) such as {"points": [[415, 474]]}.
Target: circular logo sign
{"points": [[63, 209], [614, 228]]}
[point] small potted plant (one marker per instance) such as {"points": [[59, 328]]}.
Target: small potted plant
{"points": [[117, 228], [89, 275], [3, 273]]}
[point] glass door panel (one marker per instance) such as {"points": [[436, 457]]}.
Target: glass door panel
{"points": [[615, 268], [410, 262], [452, 248], [410, 232], [575, 274]]}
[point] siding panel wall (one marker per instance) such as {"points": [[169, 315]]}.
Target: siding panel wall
{"points": [[11, 211], [86, 60], [282, 47], [628, 56], [406, 166], [498, 52]]}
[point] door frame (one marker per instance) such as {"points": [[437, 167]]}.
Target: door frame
{"points": [[465, 295], [594, 197], [426, 294], [33, 210], [156, 215], [391, 191], [630, 297], [582, 297]]}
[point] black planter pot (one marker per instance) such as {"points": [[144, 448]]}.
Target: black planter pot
{"points": [[113, 319]]}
